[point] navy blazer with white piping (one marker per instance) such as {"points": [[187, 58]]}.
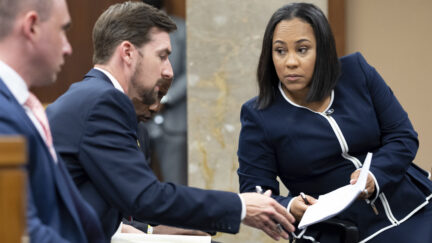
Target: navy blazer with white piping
{"points": [[317, 152]]}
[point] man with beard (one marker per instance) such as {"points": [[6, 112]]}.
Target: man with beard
{"points": [[94, 128]]}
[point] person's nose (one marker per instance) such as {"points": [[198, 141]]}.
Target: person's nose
{"points": [[292, 60], [67, 48], [167, 71]]}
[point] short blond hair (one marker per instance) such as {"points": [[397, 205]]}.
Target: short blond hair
{"points": [[9, 10]]}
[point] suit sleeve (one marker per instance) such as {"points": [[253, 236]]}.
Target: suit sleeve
{"points": [[399, 142], [110, 155], [257, 159], [37, 231]]}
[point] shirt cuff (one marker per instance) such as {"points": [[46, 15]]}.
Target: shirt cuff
{"points": [[289, 205], [119, 228], [243, 212]]}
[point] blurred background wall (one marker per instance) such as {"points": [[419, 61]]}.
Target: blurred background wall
{"points": [[395, 36]]}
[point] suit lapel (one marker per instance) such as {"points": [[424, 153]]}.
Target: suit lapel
{"points": [[20, 111], [59, 180], [23, 117]]}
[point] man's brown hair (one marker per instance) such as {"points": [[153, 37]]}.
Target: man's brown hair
{"points": [[128, 21]]}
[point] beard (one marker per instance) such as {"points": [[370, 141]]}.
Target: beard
{"points": [[148, 97], [145, 95]]}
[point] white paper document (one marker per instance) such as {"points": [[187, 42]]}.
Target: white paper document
{"points": [[155, 238], [332, 203]]}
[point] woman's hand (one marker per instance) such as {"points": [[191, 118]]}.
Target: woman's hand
{"points": [[370, 184], [299, 206]]}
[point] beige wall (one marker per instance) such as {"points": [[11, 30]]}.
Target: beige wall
{"points": [[395, 36]]}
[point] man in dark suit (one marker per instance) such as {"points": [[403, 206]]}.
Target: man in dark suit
{"points": [[94, 126], [33, 44]]}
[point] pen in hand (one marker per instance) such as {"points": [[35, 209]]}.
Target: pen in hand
{"points": [[259, 190], [303, 196]]}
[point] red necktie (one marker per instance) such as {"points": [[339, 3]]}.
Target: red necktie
{"points": [[39, 112]]}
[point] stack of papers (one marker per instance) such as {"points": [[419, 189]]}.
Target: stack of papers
{"points": [[332, 203]]}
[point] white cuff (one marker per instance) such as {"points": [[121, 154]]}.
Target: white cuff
{"points": [[119, 229], [243, 212], [289, 205]]}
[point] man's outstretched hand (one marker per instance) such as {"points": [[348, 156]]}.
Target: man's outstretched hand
{"points": [[264, 213]]}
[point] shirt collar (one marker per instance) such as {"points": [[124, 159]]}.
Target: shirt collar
{"points": [[294, 104], [14, 82], [111, 78]]}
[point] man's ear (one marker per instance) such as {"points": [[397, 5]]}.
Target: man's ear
{"points": [[30, 25], [127, 50]]}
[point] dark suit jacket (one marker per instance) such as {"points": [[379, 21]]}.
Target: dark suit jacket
{"points": [[316, 153], [94, 129], [55, 210]]}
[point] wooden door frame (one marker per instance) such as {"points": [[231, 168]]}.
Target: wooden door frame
{"points": [[336, 16]]}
